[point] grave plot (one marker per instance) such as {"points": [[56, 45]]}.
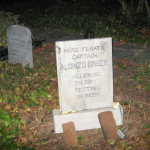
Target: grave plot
{"points": [[39, 125], [85, 83]]}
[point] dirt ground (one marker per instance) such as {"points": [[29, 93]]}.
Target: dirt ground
{"points": [[38, 129]]}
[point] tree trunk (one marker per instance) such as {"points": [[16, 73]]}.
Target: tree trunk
{"points": [[132, 5], [126, 9], [140, 5], [148, 9]]}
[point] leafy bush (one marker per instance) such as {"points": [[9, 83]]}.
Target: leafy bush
{"points": [[10, 123], [79, 16], [9, 129], [6, 20]]}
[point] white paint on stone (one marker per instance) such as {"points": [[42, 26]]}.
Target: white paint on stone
{"points": [[85, 78], [19, 45]]}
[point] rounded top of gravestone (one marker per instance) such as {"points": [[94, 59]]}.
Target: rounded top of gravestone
{"points": [[19, 45], [18, 29]]}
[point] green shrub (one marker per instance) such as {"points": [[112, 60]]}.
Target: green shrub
{"points": [[79, 16], [9, 129], [6, 19]]}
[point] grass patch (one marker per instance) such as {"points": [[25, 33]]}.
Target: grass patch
{"points": [[23, 88], [143, 77]]}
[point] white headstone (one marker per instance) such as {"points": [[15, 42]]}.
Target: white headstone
{"points": [[85, 82], [85, 75], [19, 45]]}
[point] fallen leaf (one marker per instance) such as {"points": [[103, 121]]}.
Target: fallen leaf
{"points": [[7, 107], [64, 112], [23, 139], [53, 79], [35, 131], [49, 97], [129, 148], [115, 66]]}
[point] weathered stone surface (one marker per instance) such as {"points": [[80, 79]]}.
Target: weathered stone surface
{"points": [[86, 119], [84, 69], [108, 125], [70, 135], [85, 82], [19, 45]]}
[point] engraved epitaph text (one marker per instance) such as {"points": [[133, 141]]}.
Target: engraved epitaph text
{"points": [[84, 69]]}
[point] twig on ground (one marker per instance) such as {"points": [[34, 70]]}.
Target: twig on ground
{"points": [[47, 142], [146, 104], [36, 118], [43, 143], [144, 114], [135, 120], [45, 125], [128, 112], [42, 109]]}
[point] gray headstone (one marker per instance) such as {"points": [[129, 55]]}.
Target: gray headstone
{"points": [[19, 45], [85, 76]]}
